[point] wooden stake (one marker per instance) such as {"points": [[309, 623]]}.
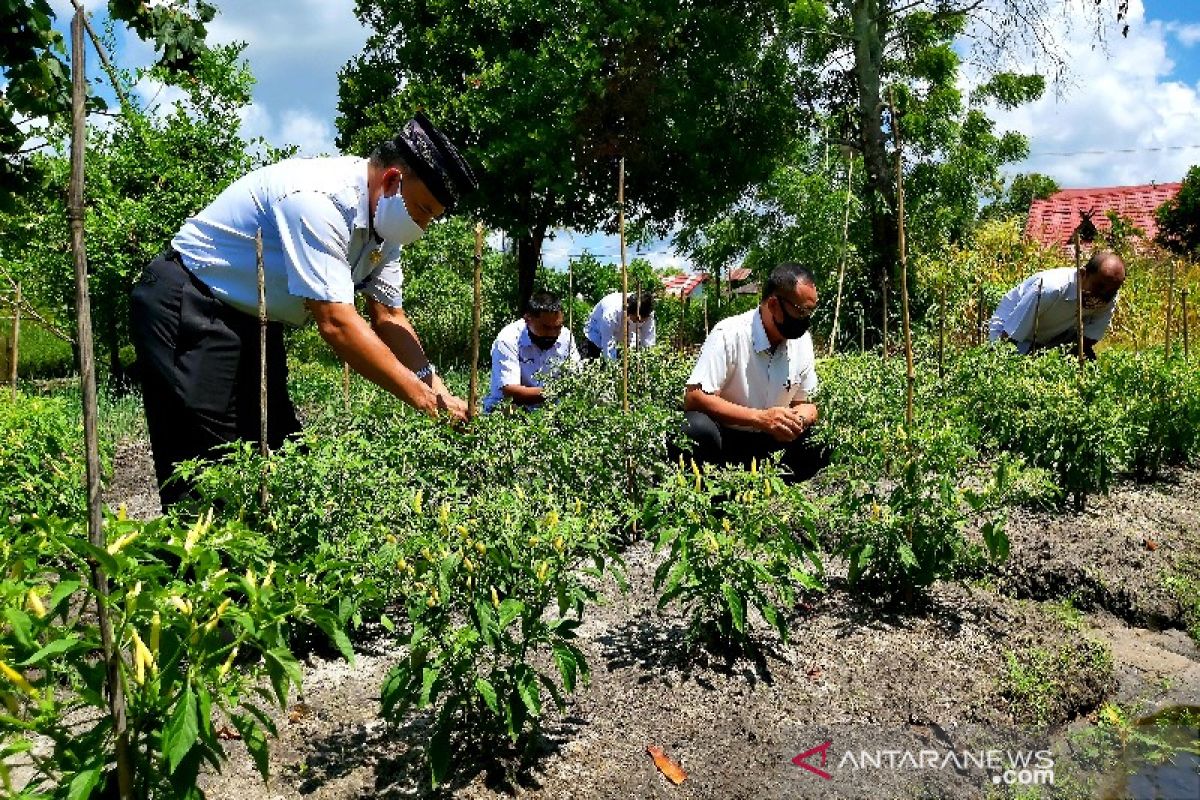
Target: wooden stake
{"points": [[1037, 308], [1079, 295], [942, 330], [706, 314], [1170, 308], [571, 297], [637, 334], [837, 303], [87, 380], [862, 330], [886, 281], [979, 337], [14, 346], [264, 447], [1183, 307], [910, 373], [476, 313], [624, 289]]}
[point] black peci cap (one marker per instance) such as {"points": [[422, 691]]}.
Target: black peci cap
{"points": [[436, 161]]}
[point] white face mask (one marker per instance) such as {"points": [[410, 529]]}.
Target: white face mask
{"points": [[393, 223]]}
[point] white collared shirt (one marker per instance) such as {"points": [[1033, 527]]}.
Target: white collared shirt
{"points": [[517, 361], [738, 364], [1023, 314], [605, 324], [317, 245]]}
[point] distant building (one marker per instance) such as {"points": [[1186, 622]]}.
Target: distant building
{"points": [[685, 285], [1053, 221]]}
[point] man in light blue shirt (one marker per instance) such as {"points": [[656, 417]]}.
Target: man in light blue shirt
{"points": [[606, 324], [331, 228]]}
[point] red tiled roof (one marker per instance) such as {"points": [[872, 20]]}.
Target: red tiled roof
{"points": [[1053, 221], [683, 285], [739, 273]]}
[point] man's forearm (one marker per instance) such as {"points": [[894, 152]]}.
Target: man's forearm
{"points": [[349, 335], [394, 329], [723, 411], [523, 395]]}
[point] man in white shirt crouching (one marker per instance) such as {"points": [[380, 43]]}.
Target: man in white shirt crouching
{"points": [[529, 351], [1040, 312], [605, 325], [751, 392]]}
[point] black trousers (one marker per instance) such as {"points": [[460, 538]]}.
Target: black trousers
{"points": [[713, 443], [588, 349], [199, 365]]}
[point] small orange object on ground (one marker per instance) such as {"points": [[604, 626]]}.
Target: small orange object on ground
{"points": [[666, 766]]}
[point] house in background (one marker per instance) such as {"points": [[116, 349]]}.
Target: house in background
{"points": [[685, 285], [1053, 221]]}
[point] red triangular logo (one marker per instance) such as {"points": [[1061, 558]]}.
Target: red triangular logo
{"points": [[802, 759]]}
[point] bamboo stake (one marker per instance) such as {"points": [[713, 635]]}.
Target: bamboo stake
{"points": [[264, 447], [1183, 303], [910, 374], [14, 346], [886, 280], [979, 314], [476, 311], [637, 334], [862, 330], [87, 380], [1037, 309], [837, 304], [1079, 295], [942, 330], [706, 314], [624, 288], [1170, 308], [571, 297]]}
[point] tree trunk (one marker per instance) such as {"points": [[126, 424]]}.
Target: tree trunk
{"points": [[870, 30], [529, 249]]}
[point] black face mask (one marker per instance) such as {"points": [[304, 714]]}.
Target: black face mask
{"points": [[542, 342], [791, 327]]}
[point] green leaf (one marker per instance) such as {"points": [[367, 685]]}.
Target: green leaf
{"points": [[429, 676], [83, 784], [907, 557], [488, 692], [510, 609], [567, 667], [62, 590], [527, 687], [284, 671], [182, 729], [57, 647], [439, 748], [256, 743], [335, 630], [22, 626], [737, 607]]}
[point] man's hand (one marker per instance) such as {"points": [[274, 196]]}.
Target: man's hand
{"points": [[784, 424], [453, 408]]}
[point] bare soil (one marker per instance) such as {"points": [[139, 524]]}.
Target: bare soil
{"points": [[851, 673]]}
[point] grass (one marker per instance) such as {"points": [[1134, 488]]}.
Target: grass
{"points": [[42, 354]]}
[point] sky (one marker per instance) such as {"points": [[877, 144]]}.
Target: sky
{"points": [[1128, 114]]}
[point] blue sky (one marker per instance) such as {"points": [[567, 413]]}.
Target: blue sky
{"points": [[1129, 112]]}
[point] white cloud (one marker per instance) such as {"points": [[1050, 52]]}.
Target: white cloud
{"points": [[1188, 34], [1122, 119]]}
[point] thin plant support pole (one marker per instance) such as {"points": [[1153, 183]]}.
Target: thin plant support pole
{"points": [[706, 314], [571, 297], [346, 385], [624, 289], [862, 330], [909, 372], [1079, 295], [837, 303], [1183, 307], [14, 346], [1037, 308], [942, 330], [886, 280], [979, 314], [87, 380], [476, 312], [264, 447], [1170, 307], [637, 334]]}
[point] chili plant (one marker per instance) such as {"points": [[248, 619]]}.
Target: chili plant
{"points": [[738, 541], [199, 616]]}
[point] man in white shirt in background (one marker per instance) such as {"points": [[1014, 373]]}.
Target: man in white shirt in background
{"points": [[603, 332], [1040, 312], [529, 351], [751, 392], [331, 227]]}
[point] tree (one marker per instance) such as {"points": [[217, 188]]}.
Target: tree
{"points": [[32, 61], [146, 172], [548, 96], [852, 52], [1179, 218], [1020, 194]]}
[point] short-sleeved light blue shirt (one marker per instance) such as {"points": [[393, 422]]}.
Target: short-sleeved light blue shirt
{"points": [[517, 361], [317, 244]]}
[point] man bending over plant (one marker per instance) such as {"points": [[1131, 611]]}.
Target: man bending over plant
{"points": [[1040, 312], [750, 394], [331, 228], [528, 351]]}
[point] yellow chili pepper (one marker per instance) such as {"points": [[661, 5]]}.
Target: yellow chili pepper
{"points": [[495, 598], [542, 569], [416, 502], [212, 623], [155, 633], [18, 680], [141, 659], [224, 668], [35, 604], [480, 548], [183, 606], [120, 544]]}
